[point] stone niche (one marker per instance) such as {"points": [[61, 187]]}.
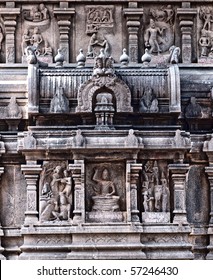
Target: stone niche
{"points": [[155, 192], [105, 21], [35, 24], [105, 192]]}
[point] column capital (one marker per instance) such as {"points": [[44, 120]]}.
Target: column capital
{"points": [[33, 169], [179, 168]]}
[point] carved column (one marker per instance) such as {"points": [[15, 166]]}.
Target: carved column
{"points": [[64, 15], [1, 231], [133, 170], [186, 17], [178, 174], [133, 15], [31, 174], [79, 193], [209, 171], [9, 15]]}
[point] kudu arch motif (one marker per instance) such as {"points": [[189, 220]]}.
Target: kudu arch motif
{"points": [[104, 80]]}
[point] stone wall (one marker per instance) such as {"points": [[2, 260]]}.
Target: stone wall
{"points": [[106, 130]]}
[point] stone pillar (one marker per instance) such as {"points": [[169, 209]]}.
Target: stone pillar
{"points": [[134, 175], [31, 174], [63, 15], [79, 192], [1, 231], [178, 174], [186, 18], [9, 15], [133, 15], [209, 172]]}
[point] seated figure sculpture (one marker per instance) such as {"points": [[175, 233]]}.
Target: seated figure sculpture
{"points": [[105, 200]]}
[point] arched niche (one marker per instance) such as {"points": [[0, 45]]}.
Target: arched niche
{"points": [[112, 84]]}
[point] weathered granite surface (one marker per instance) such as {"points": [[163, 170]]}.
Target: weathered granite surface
{"points": [[106, 144]]}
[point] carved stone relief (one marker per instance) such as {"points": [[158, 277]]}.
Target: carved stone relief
{"points": [[104, 80], [99, 17], [106, 190], [159, 32], [156, 193], [193, 109], [55, 192], [148, 101], [99, 21], [205, 41], [59, 103], [36, 21]]}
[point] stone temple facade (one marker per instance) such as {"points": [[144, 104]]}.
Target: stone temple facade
{"points": [[106, 142]]}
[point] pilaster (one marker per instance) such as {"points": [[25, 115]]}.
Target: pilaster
{"points": [[209, 172], [1, 231], [186, 17], [63, 16], [133, 170], [9, 15], [133, 15], [79, 193], [178, 175], [31, 174]]}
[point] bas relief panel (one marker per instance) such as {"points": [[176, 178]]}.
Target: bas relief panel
{"points": [[107, 180]]}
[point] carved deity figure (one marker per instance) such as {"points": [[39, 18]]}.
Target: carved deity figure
{"points": [[56, 194], [170, 14], [151, 37], [47, 50], [36, 40], [131, 140], [148, 102], [44, 11], [59, 103], [204, 42], [155, 190], [36, 14], [78, 139], [96, 42], [26, 41], [193, 110], [207, 15], [106, 186], [29, 141], [105, 198], [13, 110]]}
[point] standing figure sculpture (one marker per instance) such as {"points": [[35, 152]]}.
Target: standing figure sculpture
{"points": [[151, 37]]}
